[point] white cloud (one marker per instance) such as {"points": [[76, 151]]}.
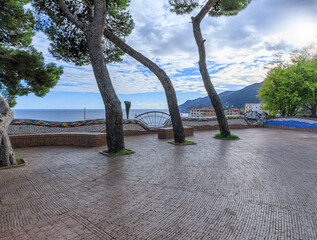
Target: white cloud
{"points": [[262, 29]]}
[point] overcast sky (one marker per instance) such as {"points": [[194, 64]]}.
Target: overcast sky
{"points": [[237, 47]]}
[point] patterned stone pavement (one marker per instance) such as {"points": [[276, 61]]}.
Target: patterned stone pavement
{"points": [[263, 186]]}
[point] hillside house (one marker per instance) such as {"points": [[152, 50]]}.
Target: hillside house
{"points": [[232, 111], [202, 112]]}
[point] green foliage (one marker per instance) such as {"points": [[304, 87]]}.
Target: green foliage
{"points": [[220, 8], [22, 68], [287, 87], [230, 137], [68, 41], [183, 6], [228, 7], [24, 71], [16, 26]]}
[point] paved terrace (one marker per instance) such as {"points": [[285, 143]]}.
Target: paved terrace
{"points": [[263, 186]]}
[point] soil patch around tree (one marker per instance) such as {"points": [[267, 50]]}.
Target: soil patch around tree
{"points": [[20, 163]]}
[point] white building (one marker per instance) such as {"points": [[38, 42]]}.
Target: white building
{"points": [[257, 108], [253, 107], [232, 111]]}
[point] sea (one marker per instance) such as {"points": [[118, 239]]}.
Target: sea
{"points": [[69, 115]]}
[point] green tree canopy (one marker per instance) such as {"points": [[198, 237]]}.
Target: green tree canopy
{"points": [[22, 68], [288, 87], [68, 42], [220, 8], [16, 26]]}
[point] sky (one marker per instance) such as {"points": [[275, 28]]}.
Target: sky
{"points": [[238, 49]]}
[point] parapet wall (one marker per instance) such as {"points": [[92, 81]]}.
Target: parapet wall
{"points": [[211, 123], [91, 133], [59, 139], [28, 126], [294, 123], [130, 127]]}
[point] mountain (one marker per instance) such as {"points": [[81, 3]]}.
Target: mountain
{"points": [[229, 99]]}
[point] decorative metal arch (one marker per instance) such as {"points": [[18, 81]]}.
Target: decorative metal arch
{"points": [[154, 119]]}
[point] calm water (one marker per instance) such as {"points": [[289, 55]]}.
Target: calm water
{"points": [[68, 115]]}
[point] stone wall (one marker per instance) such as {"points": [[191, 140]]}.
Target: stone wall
{"points": [[59, 139], [211, 123], [33, 129], [28, 133], [130, 127], [23, 126]]}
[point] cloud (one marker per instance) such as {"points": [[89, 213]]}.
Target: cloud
{"points": [[237, 47], [281, 45]]}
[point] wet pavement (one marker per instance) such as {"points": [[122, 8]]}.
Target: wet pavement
{"points": [[263, 186]]}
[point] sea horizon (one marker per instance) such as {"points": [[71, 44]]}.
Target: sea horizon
{"points": [[69, 115]]}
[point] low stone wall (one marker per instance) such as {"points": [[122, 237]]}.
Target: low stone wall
{"points": [[91, 133], [211, 123], [167, 133], [59, 139], [293, 123], [24, 126], [130, 127]]}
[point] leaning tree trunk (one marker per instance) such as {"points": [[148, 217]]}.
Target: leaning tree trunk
{"points": [[215, 100], [178, 129], [7, 156], [93, 33], [114, 125]]}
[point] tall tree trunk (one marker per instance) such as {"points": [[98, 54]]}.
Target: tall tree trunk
{"points": [[179, 135], [7, 156], [215, 100], [114, 125], [93, 33]]}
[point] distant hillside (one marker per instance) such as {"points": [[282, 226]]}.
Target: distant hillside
{"points": [[229, 99]]}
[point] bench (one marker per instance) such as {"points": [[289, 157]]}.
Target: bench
{"points": [[167, 133], [83, 139]]}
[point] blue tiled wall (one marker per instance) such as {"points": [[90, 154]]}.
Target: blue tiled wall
{"points": [[291, 123]]}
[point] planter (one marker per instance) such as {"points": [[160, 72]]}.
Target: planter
{"points": [[20, 164]]}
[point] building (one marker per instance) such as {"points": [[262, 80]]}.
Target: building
{"points": [[232, 111], [202, 112], [253, 107], [208, 112], [257, 108]]}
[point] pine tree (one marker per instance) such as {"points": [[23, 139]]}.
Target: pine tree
{"points": [[214, 8], [75, 29], [22, 68]]}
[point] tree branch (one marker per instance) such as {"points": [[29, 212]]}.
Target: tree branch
{"points": [[130, 51], [9, 57], [70, 16], [309, 106], [206, 8]]}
